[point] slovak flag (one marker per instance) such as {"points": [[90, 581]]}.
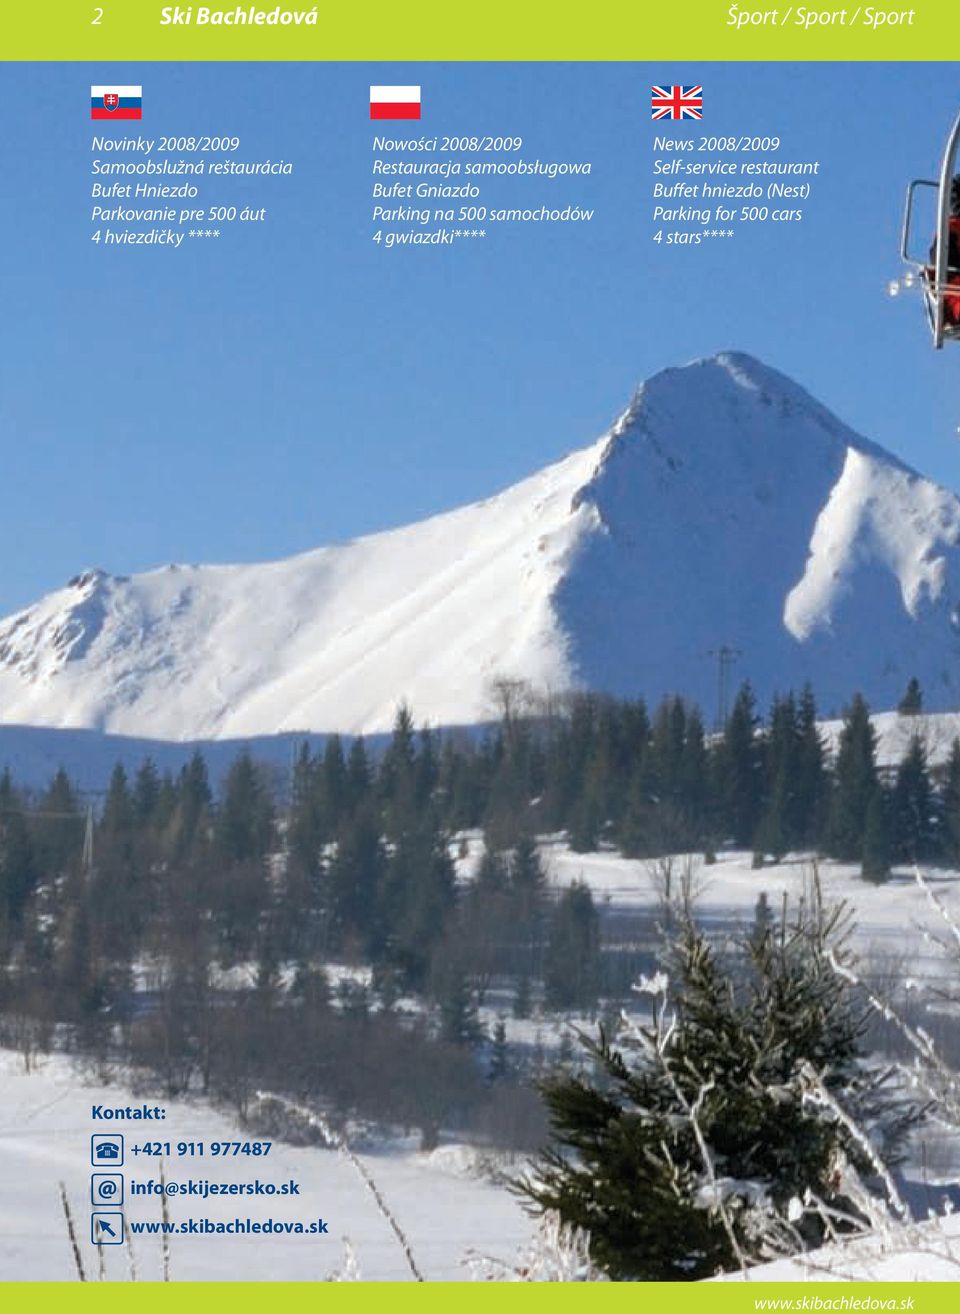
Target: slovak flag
{"points": [[116, 102], [394, 102]]}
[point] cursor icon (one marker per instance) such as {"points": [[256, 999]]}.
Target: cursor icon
{"points": [[106, 1229]]}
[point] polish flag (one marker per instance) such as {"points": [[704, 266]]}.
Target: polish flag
{"points": [[394, 102]]}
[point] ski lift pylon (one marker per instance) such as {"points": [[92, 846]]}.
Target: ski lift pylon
{"points": [[935, 274]]}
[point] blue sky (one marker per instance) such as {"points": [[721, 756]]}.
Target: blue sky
{"points": [[294, 384]]}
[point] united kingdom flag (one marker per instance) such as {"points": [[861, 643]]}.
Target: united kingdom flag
{"points": [[677, 102]]}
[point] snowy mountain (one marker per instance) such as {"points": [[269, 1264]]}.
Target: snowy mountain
{"points": [[726, 507]]}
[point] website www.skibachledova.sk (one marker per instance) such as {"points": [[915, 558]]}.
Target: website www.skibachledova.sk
{"points": [[833, 1302], [235, 1227]]}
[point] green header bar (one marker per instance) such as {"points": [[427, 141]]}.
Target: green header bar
{"points": [[475, 1298], [487, 30]]}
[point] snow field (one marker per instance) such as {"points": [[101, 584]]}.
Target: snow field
{"points": [[45, 1129]]}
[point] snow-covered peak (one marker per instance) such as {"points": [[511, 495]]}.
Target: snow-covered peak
{"points": [[726, 507], [732, 394]]}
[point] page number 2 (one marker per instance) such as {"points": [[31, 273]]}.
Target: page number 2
{"points": [[97, 18]]}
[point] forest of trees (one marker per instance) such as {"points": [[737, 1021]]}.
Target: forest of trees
{"points": [[188, 927]]}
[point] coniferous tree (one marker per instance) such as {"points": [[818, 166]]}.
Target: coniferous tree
{"points": [[911, 704], [875, 858], [586, 823], [458, 785], [311, 988], [855, 782], [427, 771], [763, 918], [79, 968], [297, 913], [396, 779], [611, 763], [511, 784], [459, 1023], [239, 899], [636, 800], [245, 820], [571, 976], [194, 801], [740, 768], [499, 1053], [353, 882], [727, 1067], [60, 797], [912, 806], [526, 908], [635, 831], [493, 873], [811, 782], [480, 930], [636, 730], [58, 838], [19, 872], [667, 741], [694, 775], [949, 806], [145, 798], [571, 750], [358, 774], [332, 786], [166, 806], [778, 827], [774, 832], [118, 814], [306, 830], [528, 880]]}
